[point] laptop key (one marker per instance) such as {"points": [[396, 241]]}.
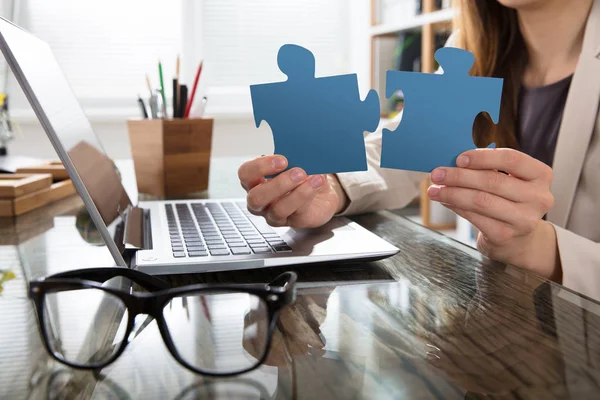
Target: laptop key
{"points": [[253, 237], [217, 247], [219, 252], [282, 248], [198, 254], [273, 235], [261, 250], [256, 241], [236, 251], [196, 248], [178, 254], [241, 244]]}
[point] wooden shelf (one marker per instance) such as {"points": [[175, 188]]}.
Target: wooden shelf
{"points": [[383, 37], [412, 23]]}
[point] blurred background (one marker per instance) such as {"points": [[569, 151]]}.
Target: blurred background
{"points": [[108, 48]]}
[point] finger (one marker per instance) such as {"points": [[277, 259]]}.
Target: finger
{"points": [[263, 195], [490, 181], [253, 172], [497, 232], [482, 203], [511, 161], [288, 205]]}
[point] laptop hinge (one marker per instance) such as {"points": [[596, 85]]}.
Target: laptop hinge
{"points": [[137, 232]]}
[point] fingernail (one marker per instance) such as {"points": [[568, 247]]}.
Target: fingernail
{"points": [[438, 175], [462, 161], [279, 162], [433, 191], [316, 181], [297, 175]]}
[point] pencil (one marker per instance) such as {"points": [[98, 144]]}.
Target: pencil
{"points": [[148, 84], [162, 89], [193, 93]]}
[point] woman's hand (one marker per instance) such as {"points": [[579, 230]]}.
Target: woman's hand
{"points": [[506, 208], [292, 198]]}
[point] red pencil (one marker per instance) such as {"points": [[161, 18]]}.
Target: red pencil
{"points": [[192, 94]]}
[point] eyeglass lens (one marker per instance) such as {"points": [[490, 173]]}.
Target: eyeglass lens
{"points": [[85, 327], [218, 332]]}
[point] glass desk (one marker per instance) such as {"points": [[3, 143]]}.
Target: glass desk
{"points": [[436, 321]]}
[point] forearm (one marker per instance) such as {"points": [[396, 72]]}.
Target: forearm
{"points": [[344, 201], [540, 253]]}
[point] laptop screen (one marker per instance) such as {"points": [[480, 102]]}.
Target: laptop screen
{"points": [[94, 175]]}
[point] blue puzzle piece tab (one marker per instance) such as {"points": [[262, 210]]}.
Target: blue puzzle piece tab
{"points": [[318, 124], [439, 110]]}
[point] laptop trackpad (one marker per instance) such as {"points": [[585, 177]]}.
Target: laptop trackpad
{"points": [[338, 224]]}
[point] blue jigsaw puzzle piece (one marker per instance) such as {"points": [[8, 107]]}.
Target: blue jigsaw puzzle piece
{"points": [[439, 110], [318, 124]]}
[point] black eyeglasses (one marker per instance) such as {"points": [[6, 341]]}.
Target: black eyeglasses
{"points": [[215, 330]]}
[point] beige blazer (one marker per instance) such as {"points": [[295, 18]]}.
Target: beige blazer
{"points": [[576, 186]]}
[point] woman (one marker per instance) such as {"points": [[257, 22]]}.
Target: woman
{"points": [[543, 214]]}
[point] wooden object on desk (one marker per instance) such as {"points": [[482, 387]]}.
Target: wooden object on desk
{"points": [[33, 200], [54, 168], [16, 185], [171, 156]]}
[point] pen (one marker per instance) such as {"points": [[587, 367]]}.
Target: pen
{"points": [[153, 106], [193, 93], [160, 106], [162, 89], [176, 94], [175, 99], [142, 107], [184, 100]]}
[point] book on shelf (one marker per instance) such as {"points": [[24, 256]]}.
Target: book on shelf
{"points": [[407, 57]]}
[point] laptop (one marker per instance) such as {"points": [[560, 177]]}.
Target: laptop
{"points": [[165, 237]]}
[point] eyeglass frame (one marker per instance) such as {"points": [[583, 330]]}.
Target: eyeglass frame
{"points": [[275, 297]]}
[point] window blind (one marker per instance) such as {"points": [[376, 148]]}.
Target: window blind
{"points": [[240, 41], [106, 48]]}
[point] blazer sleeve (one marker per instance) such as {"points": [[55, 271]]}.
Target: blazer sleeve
{"points": [[379, 188], [580, 261]]}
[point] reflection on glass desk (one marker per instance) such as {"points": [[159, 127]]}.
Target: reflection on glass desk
{"points": [[436, 321]]}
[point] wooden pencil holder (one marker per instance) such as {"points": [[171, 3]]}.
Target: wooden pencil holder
{"points": [[171, 156]]}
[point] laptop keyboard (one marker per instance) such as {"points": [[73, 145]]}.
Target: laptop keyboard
{"points": [[220, 229]]}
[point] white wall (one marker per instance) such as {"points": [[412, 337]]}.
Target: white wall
{"points": [[233, 135], [230, 137]]}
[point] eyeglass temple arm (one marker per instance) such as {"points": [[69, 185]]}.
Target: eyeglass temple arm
{"points": [[102, 275]]}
